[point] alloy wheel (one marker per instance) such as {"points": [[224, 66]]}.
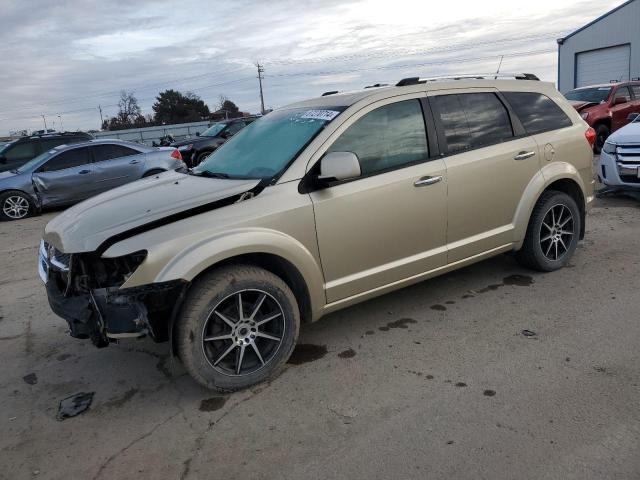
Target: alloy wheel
{"points": [[556, 232], [243, 332], [16, 207]]}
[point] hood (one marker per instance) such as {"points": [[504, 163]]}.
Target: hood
{"points": [[87, 225], [6, 174], [579, 105], [629, 134]]}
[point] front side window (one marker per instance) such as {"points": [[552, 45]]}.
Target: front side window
{"points": [[110, 151], [386, 138], [472, 120], [265, 148], [234, 128], [623, 93], [67, 159], [537, 112], [636, 91]]}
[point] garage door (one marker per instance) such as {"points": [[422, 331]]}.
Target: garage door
{"points": [[602, 66]]}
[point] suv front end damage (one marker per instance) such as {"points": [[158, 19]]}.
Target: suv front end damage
{"points": [[84, 289]]}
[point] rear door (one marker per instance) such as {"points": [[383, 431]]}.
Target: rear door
{"points": [[489, 162], [115, 165], [621, 111], [65, 178]]}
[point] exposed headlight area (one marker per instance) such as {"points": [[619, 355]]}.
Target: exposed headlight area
{"points": [[84, 289]]}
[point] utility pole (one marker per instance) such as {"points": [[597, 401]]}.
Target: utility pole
{"points": [[45, 123], [101, 119], [61, 127], [260, 77]]}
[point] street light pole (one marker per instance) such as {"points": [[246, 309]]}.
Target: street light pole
{"points": [[61, 127], [45, 123]]}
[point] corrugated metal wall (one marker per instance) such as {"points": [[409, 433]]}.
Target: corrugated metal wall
{"points": [[148, 135], [619, 28]]}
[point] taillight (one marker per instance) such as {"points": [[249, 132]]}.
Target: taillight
{"points": [[178, 156], [590, 135]]}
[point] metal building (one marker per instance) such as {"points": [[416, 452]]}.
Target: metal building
{"points": [[605, 50]]}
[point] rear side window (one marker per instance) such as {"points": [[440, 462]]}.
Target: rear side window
{"points": [[537, 112], [387, 137], [624, 93], [20, 152], [472, 120], [110, 151], [67, 159], [636, 91]]}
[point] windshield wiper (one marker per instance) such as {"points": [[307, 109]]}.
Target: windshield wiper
{"points": [[208, 174]]}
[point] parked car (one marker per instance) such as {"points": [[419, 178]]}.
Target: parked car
{"points": [[317, 206], [606, 107], [70, 173], [619, 162], [20, 151], [195, 150]]}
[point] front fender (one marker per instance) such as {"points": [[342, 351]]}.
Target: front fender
{"points": [[546, 176], [196, 258]]}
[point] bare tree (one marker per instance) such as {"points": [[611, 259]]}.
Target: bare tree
{"points": [[222, 99], [129, 110]]}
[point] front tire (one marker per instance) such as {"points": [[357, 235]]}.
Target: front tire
{"points": [[201, 158], [151, 173], [238, 327], [553, 233], [602, 133], [15, 205]]}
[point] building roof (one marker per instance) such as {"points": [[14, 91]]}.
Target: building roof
{"points": [[561, 40]]}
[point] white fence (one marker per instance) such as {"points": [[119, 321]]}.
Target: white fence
{"points": [[148, 135]]}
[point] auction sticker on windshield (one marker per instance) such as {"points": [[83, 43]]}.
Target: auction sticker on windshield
{"points": [[326, 115]]}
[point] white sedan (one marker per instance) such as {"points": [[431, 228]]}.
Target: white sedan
{"points": [[619, 163]]}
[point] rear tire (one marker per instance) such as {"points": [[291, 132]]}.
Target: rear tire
{"points": [[552, 234], [15, 205], [226, 348], [602, 133]]}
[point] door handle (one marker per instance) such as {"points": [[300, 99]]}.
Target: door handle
{"points": [[524, 155], [133, 162], [424, 181], [84, 172]]}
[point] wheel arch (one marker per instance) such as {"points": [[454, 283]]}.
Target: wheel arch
{"points": [[559, 176]]}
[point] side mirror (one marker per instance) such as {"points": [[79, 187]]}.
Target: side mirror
{"points": [[197, 134], [633, 117], [3, 159], [339, 166], [619, 100]]}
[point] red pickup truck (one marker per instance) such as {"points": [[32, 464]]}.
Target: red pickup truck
{"points": [[606, 107]]}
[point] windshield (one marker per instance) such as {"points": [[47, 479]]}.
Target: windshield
{"points": [[267, 146], [213, 130], [33, 162], [593, 95]]}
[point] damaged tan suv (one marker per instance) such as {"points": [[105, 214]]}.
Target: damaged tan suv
{"points": [[317, 206]]}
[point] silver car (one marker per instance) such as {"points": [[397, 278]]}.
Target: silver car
{"points": [[71, 173]]}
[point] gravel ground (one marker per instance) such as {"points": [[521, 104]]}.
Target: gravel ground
{"points": [[433, 381]]}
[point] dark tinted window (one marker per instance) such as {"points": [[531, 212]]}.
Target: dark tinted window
{"points": [[67, 159], [623, 92], [385, 138], [537, 112], [49, 143], [472, 120], [109, 151], [22, 151], [234, 128]]}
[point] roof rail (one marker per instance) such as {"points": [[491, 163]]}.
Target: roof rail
{"points": [[484, 76], [331, 92], [377, 85]]}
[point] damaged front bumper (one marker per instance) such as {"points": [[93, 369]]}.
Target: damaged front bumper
{"points": [[107, 314]]}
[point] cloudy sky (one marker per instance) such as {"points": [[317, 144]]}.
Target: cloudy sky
{"points": [[69, 56]]}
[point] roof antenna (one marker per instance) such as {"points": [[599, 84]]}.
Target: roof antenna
{"points": [[499, 65]]}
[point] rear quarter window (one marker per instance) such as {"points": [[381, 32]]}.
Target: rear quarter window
{"points": [[537, 112]]}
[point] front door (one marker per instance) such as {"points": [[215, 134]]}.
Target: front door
{"points": [[65, 178], [620, 111], [389, 224], [488, 169]]}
